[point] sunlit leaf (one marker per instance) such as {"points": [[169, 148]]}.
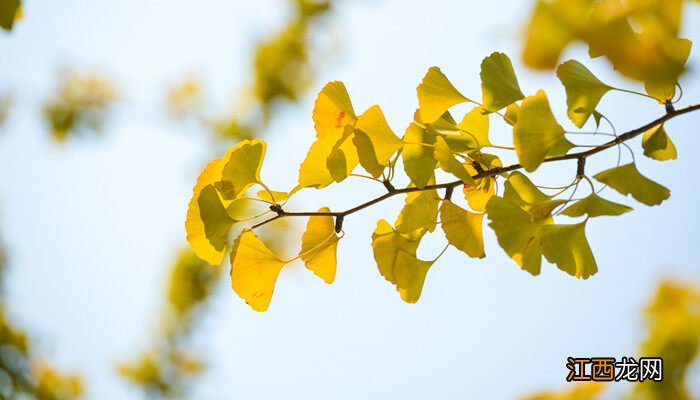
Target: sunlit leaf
{"points": [[242, 168], [463, 229], [419, 214], [375, 141], [343, 158], [499, 85], [567, 247], [561, 148], [332, 113], [475, 124], [418, 159], [512, 114], [254, 270], [478, 195], [436, 95], [449, 163], [626, 179], [536, 132], [661, 91], [583, 90], [595, 206], [397, 261], [658, 145], [268, 196], [518, 233], [319, 245], [206, 245]]}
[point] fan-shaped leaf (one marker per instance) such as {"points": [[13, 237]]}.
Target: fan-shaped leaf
{"points": [[463, 229], [499, 85], [436, 95], [475, 126], [536, 132], [626, 179], [242, 168], [567, 247], [254, 270], [449, 163], [319, 245], [658, 145], [418, 159], [419, 214], [583, 90], [595, 206], [375, 141]]}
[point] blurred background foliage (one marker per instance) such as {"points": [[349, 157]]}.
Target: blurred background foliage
{"points": [[283, 69], [23, 375]]}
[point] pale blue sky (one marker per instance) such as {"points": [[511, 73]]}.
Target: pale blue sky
{"points": [[92, 225]]}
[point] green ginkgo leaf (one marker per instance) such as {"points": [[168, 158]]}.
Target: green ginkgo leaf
{"points": [[658, 145], [436, 95], [518, 233], [567, 247], [537, 132], [418, 159], [463, 229], [375, 141], [449, 163], [242, 168], [583, 91], [595, 206], [499, 85], [627, 180]]}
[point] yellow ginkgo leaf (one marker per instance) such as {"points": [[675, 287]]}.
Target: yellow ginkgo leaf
{"points": [[273, 196], [396, 258], [254, 270], [512, 114], [478, 195], [449, 163], [475, 124], [536, 131], [595, 206], [626, 179], [197, 232], [319, 245], [375, 141], [520, 191], [499, 86], [583, 90], [552, 26], [518, 233], [343, 157], [418, 159], [661, 91], [242, 168], [658, 145], [332, 113], [561, 148], [419, 214], [463, 229], [567, 247], [436, 95]]}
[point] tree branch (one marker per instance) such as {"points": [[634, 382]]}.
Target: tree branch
{"points": [[580, 156]]}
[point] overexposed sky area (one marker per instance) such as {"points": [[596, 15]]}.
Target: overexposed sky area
{"points": [[92, 226]]}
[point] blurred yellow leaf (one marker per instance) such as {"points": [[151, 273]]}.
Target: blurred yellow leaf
{"points": [[583, 90], [626, 179], [463, 229], [436, 95], [319, 245], [375, 141], [10, 12], [254, 270], [499, 85], [567, 247], [658, 145], [536, 131]]}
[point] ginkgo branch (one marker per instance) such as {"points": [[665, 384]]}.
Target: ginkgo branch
{"points": [[579, 156]]}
